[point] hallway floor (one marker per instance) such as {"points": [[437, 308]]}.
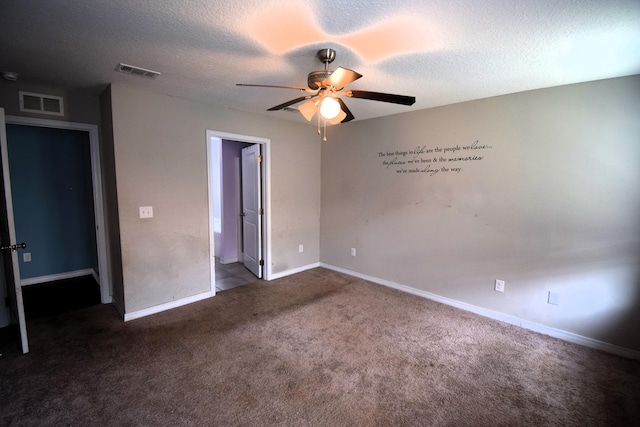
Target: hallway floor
{"points": [[229, 276]]}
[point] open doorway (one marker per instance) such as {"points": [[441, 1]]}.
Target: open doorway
{"points": [[238, 173], [45, 259]]}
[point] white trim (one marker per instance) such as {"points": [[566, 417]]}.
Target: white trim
{"points": [[496, 315], [229, 260], [294, 271], [96, 178], [266, 181], [212, 251], [59, 276], [166, 306], [96, 276]]}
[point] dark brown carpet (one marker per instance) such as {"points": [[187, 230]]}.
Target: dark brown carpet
{"points": [[315, 349]]}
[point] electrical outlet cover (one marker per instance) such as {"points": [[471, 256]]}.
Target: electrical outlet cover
{"points": [[146, 211]]}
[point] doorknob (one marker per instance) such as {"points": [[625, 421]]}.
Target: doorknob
{"points": [[14, 248]]}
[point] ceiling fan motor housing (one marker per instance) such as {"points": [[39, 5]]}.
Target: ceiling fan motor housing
{"points": [[326, 56], [315, 78]]}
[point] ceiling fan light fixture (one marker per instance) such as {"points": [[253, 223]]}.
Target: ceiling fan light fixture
{"points": [[339, 118], [309, 108], [329, 108]]}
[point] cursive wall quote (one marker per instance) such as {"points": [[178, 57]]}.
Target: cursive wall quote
{"points": [[433, 161]]}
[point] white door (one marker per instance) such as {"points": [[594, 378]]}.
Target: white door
{"points": [[9, 244], [252, 209]]}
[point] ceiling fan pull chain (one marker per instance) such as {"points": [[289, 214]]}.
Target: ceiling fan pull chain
{"points": [[324, 138]]}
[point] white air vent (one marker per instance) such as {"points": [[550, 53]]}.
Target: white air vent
{"points": [[42, 104], [142, 72]]}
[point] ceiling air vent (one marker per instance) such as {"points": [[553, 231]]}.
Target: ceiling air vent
{"points": [[42, 104], [142, 72]]}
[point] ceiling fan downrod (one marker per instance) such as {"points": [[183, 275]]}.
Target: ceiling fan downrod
{"points": [[326, 56], [315, 78]]}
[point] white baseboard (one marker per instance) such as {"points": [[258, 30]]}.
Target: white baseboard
{"points": [[274, 276], [60, 276], [167, 306], [496, 315], [229, 260]]}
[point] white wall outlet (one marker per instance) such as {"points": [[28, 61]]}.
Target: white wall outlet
{"points": [[146, 211], [301, 248], [26, 257], [554, 298], [353, 251], [499, 286]]}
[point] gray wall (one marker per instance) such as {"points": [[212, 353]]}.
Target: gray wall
{"points": [[110, 196], [160, 161], [79, 106], [552, 205]]}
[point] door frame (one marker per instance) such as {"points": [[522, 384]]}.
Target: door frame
{"points": [[96, 179], [266, 196]]}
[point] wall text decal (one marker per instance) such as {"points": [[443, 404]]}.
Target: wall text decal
{"points": [[433, 161]]}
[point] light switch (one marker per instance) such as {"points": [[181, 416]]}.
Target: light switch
{"points": [[146, 211]]}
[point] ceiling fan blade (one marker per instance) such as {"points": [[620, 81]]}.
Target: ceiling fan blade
{"points": [[286, 104], [343, 107], [379, 96], [309, 109], [340, 78], [304, 89]]}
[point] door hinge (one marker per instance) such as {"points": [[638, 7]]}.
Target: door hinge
{"points": [[259, 159], [261, 212], [261, 262]]}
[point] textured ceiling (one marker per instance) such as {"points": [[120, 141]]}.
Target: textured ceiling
{"points": [[440, 51]]}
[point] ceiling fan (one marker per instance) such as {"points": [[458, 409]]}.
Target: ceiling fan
{"points": [[323, 96]]}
